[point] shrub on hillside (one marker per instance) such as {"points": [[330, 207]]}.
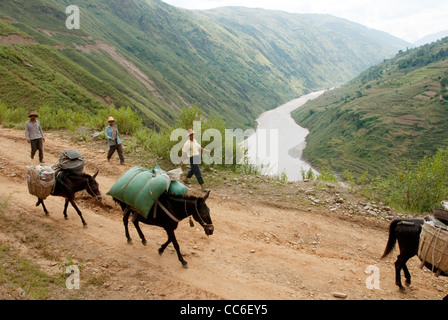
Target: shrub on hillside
{"points": [[417, 187], [11, 117]]}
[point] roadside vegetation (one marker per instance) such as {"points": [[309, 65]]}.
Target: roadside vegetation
{"points": [[23, 278]]}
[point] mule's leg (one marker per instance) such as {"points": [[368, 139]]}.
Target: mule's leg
{"points": [[172, 237], [398, 267], [84, 223], [126, 214], [163, 247], [41, 202], [407, 275], [65, 209], [45, 208], [140, 233]]}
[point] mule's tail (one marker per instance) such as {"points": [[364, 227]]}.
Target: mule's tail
{"points": [[392, 238]]}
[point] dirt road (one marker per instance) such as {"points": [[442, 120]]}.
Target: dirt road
{"points": [[257, 251]]}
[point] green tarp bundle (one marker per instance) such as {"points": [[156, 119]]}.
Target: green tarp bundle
{"points": [[177, 188], [140, 188]]}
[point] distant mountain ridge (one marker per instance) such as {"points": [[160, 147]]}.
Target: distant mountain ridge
{"points": [[431, 38], [157, 59], [304, 45]]}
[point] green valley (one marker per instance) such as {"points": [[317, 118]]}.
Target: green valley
{"points": [[394, 111], [157, 59]]}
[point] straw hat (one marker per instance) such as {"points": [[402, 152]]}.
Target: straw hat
{"points": [[32, 114], [111, 119], [190, 132]]}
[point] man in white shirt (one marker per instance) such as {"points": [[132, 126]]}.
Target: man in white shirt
{"points": [[35, 136], [192, 149]]}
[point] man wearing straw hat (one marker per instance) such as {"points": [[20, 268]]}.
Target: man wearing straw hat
{"points": [[113, 140], [191, 149], [35, 136]]}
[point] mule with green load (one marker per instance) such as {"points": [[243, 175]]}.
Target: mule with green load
{"points": [[153, 199]]}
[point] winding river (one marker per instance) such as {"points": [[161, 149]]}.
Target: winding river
{"points": [[278, 142]]}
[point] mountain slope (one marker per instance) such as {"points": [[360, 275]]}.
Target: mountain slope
{"points": [[395, 110], [319, 50], [156, 58]]}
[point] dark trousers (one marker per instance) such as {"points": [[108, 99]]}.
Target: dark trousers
{"points": [[194, 169], [37, 145], [117, 148]]}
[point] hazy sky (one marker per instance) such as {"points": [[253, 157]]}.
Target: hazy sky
{"points": [[407, 19]]}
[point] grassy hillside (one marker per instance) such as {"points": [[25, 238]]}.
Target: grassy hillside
{"points": [[395, 110], [179, 57], [317, 50], [39, 70]]}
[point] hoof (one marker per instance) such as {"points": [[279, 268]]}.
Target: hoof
{"points": [[185, 264], [408, 283], [129, 241], [402, 289], [65, 218], [160, 251], [85, 225], [47, 213], [144, 242]]}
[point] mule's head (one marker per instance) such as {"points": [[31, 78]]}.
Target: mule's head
{"points": [[93, 187], [202, 215]]}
